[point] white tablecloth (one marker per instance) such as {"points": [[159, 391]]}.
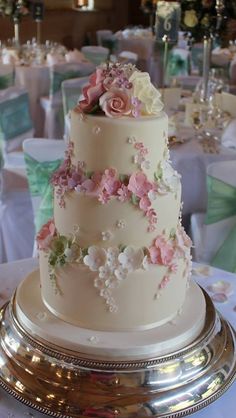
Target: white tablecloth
{"points": [[35, 79], [11, 274], [190, 160]]}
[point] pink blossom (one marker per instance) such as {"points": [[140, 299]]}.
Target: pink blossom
{"points": [[123, 193], [93, 91], [88, 186], [103, 197], [45, 235], [139, 185], [182, 239], [144, 203], [162, 252], [110, 182], [164, 282], [115, 102]]}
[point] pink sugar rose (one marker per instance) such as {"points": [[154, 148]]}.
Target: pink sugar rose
{"points": [[93, 91], [139, 185], [144, 203], [45, 235], [115, 102]]}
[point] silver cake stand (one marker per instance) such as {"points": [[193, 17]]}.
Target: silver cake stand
{"points": [[63, 383]]}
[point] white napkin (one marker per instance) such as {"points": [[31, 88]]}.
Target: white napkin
{"points": [[75, 56], [10, 56], [228, 138], [53, 59]]}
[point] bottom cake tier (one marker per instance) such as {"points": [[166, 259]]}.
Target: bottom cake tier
{"points": [[39, 322]]}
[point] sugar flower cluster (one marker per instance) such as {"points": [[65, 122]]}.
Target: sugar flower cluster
{"points": [[120, 90], [112, 265], [107, 184]]}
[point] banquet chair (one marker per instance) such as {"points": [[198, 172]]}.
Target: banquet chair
{"points": [[52, 105], [214, 232], [232, 72], [42, 158], [71, 94], [7, 76], [96, 53], [15, 125], [102, 34], [16, 217], [128, 57]]}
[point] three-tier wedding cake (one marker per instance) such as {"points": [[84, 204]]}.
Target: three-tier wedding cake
{"points": [[115, 260]]}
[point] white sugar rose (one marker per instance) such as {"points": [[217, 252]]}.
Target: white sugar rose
{"points": [[144, 90]]}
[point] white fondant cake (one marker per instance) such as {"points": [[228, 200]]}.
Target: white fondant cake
{"points": [[115, 257]]}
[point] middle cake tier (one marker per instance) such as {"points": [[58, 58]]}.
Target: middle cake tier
{"points": [[114, 223]]}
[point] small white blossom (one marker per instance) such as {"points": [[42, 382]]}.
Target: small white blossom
{"points": [[152, 195], [112, 257], [131, 140], [121, 273], [121, 224], [93, 339], [72, 253], [138, 159], [96, 258], [99, 283], [145, 165], [131, 258], [105, 272], [107, 235], [96, 130]]}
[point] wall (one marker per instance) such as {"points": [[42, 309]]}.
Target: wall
{"points": [[69, 27]]}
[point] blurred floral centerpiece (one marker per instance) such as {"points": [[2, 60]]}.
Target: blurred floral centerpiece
{"points": [[198, 17], [14, 8]]}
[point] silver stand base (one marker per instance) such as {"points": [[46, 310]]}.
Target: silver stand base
{"points": [[63, 383]]}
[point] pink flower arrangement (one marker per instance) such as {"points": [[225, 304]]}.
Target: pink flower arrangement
{"points": [[45, 235], [111, 91]]}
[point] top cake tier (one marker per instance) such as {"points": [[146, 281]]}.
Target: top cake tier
{"points": [[126, 144]]}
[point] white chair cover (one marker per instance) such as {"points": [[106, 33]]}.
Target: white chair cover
{"points": [[7, 75], [42, 150], [72, 92], [95, 53], [228, 138], [15, 125], [16, 218], [52, 105], [75, 56], [207, 239]]}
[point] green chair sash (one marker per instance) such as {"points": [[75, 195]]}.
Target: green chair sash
{"points": [[6, 80], [15, 117], [222, 205], [39, 175], [177, 65], [57, 78]]}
